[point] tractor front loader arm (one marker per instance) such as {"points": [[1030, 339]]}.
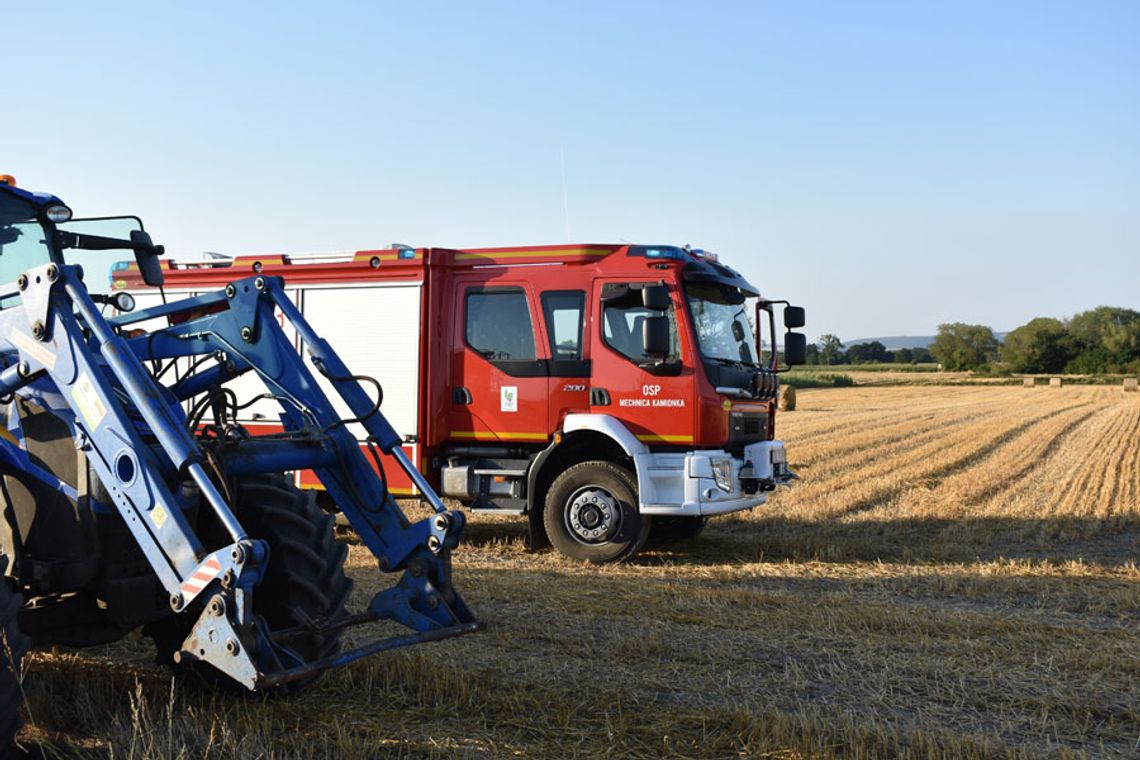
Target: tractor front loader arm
{"points": [[243, 327], [58, 334]]}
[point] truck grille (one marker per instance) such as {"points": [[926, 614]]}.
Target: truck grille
{"points": [[747, 427]]}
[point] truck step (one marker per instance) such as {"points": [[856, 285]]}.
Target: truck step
{"points": [[496, 511]]}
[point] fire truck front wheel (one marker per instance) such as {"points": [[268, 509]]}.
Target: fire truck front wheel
{"points": [[591, 513]]}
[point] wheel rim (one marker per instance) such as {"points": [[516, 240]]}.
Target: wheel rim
{"points": [[592, 516]]}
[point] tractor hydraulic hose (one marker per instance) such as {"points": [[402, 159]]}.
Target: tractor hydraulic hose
{"points": [[358, 378]]}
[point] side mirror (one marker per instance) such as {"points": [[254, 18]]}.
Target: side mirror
{"points": [[655, 340], [795, 348], [146, 254], [655, 297], [794, 317], [737, 330]]}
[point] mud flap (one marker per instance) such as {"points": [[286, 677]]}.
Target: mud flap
{"points": [[536, 538]]}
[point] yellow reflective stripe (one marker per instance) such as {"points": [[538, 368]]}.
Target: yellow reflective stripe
{"points": [[486, 436], [565, 252], [7, 436], [665, 438], [359, 257], [319, 487]]}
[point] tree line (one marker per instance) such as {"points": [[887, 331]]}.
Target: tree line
{"points": [[829, 350], [1104, 339]]}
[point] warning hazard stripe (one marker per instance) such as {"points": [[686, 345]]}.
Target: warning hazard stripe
{"points": [[207, 572]]}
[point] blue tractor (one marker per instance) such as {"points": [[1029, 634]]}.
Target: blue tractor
{"points": [[132, 497]]}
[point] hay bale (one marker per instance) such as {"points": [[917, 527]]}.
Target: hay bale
{"points": [[1028, 382], [1054, 382], [1131, 384], [787, 398]]}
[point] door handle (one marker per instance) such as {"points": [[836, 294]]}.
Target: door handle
{"points": [[461, 396], [599, 397]]}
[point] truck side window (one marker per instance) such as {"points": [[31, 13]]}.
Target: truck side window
{"points": [[563, 310], [498, 325], [621, 327]]}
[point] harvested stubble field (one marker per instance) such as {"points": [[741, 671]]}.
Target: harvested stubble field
{"points": [[953, 577]]}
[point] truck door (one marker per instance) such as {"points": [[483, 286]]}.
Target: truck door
{"points": [[564, 319], [498, 389], [651, 395]]}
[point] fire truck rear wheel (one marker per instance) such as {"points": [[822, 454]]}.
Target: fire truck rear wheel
{"points": [[591, 513]]}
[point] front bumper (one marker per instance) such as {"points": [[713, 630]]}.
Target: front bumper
{"points": [[686, 484]]}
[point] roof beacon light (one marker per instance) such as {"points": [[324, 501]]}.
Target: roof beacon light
{"points": [[657, 252], [706, 255], [7, 179], [403, 251], [57, 212]]}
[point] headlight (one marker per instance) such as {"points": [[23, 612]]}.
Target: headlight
{"points": [[57, 213], [124, 302], [722, 473]]}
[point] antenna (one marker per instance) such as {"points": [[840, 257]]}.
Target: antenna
{"points": [[565, 203]]}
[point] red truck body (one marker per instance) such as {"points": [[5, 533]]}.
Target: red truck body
{"points": [[505, 367]]}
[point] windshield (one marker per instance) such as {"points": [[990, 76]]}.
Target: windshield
{"points": [[22, 240], [23, 245], [97, 265], [722, 316]]}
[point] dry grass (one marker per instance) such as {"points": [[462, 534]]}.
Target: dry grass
{"points": [[953, 577]]}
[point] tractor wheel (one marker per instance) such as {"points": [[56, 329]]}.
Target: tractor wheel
{"points": [[304, 579], [669, 530], [13, 645], [591, 513]]}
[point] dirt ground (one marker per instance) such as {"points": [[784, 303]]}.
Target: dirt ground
{"points": [[954, 576]]}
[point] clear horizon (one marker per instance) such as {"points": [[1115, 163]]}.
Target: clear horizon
{"points": [[890, 167]]}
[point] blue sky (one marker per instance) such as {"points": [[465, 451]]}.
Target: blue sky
{"points": [[890, 165]]}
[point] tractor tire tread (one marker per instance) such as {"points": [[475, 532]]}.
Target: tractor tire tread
{"points": [[13, 646]]}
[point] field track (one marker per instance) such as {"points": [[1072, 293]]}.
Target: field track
{"points": [[954, 576]]}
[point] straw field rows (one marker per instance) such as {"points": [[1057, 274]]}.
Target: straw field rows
{"points": [[953, 577]]}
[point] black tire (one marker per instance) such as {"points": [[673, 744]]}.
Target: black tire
{"points": [[304, 579], [591, 513], [13, 645], [671, 530]]}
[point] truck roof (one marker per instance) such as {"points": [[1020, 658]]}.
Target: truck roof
{"points": [[400, 262]]}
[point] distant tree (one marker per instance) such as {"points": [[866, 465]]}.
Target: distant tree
{"points": [[1041, 345], [830, 349], [959, 346], [922, 355], [1092, 361], [862, 353], [1097, 327], [902, 356], [812, 354], [1104, 339]]}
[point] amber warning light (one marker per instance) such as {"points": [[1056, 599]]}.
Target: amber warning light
{"points": [[7, 179]]}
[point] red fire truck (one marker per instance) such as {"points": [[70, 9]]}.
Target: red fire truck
{"points": [[596, 389]]}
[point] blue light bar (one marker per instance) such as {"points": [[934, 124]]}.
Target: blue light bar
{"points": [[658, 252]]}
